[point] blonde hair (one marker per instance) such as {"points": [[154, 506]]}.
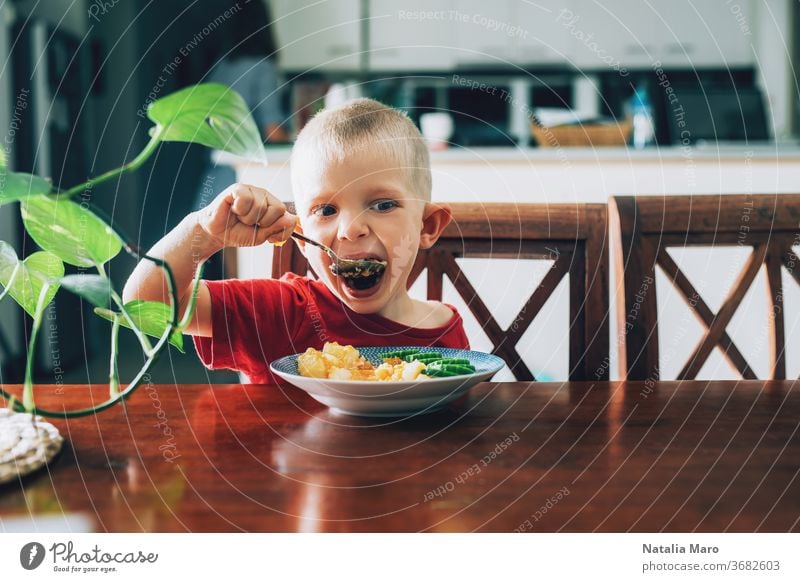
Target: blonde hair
{"points": [[365, 124]]}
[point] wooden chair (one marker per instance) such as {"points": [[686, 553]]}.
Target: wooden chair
{"points": [[644, 227], [574, 235]]}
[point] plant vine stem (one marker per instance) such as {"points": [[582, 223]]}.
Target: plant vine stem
{"points": [[14, 403], [187, 316], [152, 354], [113, 372], [27, 391], [173, 293], [134, 164], [146, 345]]}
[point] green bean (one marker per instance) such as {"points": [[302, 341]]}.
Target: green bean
{"points": [[439, 369], [459, 361], [423, 357], [398, 354]]}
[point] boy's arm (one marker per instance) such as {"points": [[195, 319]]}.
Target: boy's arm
{"points": [[184, 248], [240, 216]]}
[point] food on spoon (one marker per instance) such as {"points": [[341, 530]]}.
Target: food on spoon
{"points": [[358, 268], [359, 274]]}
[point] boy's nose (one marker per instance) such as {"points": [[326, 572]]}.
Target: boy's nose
{"points": [[352, 227]]}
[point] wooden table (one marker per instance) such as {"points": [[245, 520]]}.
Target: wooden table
{"points": [[574, 457]]}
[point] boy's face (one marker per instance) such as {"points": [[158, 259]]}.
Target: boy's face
{"points": [[363, 207]]}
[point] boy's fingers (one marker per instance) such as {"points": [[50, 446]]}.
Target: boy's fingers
{"points": [[273, 214], [291, 220], [242, 203], [255, 214], [247, 215], [261, 236], [282, 229]]}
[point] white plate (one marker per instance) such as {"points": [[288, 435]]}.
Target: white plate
{"points": [[373, 398]]}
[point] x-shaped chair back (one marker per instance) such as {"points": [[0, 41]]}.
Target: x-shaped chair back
{"points": [[574, 236], [644, 227]]}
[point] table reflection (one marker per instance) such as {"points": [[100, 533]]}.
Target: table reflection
{"points": [[326, 471]]}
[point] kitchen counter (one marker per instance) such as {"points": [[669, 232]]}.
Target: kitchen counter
{"points": [[705, 153], [578, 174]]}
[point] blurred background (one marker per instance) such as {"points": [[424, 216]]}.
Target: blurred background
{"points": [[77, 76]]}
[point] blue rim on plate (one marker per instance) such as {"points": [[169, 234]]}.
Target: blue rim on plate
{"points": [[482, 361]]}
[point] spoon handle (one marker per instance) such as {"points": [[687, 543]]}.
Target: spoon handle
{"points": [[299, 236]]}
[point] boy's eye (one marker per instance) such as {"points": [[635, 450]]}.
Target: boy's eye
{"points": [[324, 210], [384, 205]]}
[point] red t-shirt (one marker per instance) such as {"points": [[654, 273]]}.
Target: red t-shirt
{"points": [[254, 322]]}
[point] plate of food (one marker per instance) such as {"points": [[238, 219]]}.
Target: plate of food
{"points": [[386, 381]]}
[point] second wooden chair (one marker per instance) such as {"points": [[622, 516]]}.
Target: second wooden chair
{"points": [[644, 227]]}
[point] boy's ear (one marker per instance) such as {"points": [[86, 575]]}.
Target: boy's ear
{"points": [[435, 219]]}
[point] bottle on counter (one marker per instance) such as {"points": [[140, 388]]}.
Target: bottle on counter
{"points": [[642, 117]]}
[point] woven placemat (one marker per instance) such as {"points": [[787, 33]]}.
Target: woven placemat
{"points": [[25, 445]]}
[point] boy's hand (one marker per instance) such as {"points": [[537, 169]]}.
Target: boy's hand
{"points": [[246, 216]]}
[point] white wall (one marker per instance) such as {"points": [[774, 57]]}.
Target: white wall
{"points": [[773, 49]]}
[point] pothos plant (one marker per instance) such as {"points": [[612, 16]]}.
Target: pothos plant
{"points": [[77, 234]]}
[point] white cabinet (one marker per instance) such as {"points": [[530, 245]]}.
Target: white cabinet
{"points": [[609, 34], [324, 36], [511, 32], [705, 34], [678, 33], [544, 39], [441, 34], [428, 35], [413, 35], [481, 32]]}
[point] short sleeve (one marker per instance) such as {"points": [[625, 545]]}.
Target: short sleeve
{"points": [[252, 322]]}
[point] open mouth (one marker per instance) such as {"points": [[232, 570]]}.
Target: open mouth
{"points": [[359, 274], [362, 282]]}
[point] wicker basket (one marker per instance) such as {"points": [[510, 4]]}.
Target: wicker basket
{"points": [[589, 135]]}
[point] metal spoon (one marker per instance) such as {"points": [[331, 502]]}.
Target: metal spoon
{"points": [[346, 267]]}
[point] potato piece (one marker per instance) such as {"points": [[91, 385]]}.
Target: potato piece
{"points": [[412, 370], [338, 362], [383, 372], [332, 361], [347, 355], [311, 364]]}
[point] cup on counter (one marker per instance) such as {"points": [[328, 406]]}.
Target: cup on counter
{"points": [[437, 129], [340, 93]]}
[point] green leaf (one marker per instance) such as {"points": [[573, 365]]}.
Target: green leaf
{"points": [[3, 163], [76, 235], [34, 272], [17, 186], [211, 114], [152, 317], [8, 259], [94, 288]]}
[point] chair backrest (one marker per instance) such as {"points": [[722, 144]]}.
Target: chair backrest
{"points": [[642, 228], [574, 236]]}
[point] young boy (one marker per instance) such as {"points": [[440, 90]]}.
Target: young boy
{"points": [[362, 185]]}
